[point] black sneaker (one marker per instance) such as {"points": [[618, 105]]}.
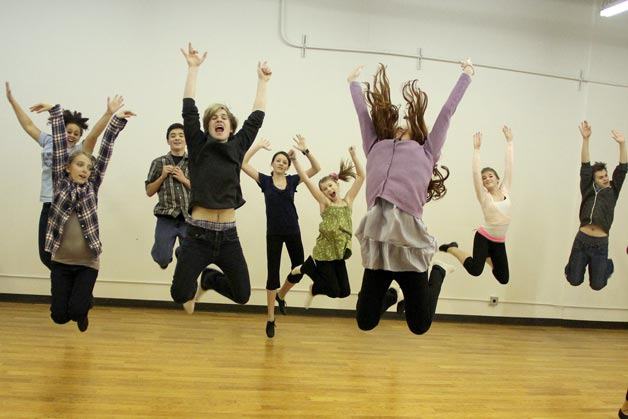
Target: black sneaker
{"points": [[270, 329], [389, 299], [83, 324], [446, 246], [282, 304]]}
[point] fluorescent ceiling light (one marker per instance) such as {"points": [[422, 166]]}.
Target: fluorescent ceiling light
{"points": [[612, 8]]}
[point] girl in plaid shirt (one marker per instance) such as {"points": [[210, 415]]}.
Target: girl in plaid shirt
{"points": [[72, 235]]}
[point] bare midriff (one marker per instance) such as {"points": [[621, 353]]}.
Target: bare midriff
{"points": [[223, 215], [593, 230]]}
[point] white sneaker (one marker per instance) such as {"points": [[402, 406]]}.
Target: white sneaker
{"points": [[447, 267], [188, 306]]}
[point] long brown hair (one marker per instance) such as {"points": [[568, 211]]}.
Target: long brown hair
{"points": [[385, 118]]}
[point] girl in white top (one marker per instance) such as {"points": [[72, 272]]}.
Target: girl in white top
{"points": [[489, 244]]}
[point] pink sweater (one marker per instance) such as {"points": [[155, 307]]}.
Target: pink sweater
{"points": [[400, 171]]}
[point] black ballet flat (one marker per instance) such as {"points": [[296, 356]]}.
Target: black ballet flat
{"points": [[270, 329], [83, 324], [282, 305], [446, 246]]}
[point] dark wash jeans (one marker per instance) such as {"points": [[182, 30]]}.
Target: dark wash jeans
{"points": [[202, 247], [167, 229], [71, 289], [591, 251]]}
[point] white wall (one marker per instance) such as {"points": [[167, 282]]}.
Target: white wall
{"points": [[77, 53]]}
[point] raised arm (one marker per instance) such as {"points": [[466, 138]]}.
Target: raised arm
{"points": [[26, 123], [621, 141], [113, 106], [367, 129], [194, 61], [116, 125], [246, 166], [313, 188], [480, 191], [359, 177], [585, 131], [436, 137], [507, 182], [59, 138], [301, 145], [263, 77]]}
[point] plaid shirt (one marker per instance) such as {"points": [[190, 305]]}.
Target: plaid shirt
{"points": [[174, 197], [71, 197]]}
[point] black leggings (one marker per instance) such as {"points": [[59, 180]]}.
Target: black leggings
{"points": [[330, 277], [483, 248], [44, 256], [274, 245], [420, 297]]}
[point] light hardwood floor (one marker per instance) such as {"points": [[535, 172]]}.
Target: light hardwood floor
{"points": [[139, 362]]}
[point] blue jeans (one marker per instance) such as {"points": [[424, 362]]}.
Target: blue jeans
{"points": [[592, 252], [167, 230], [202, 247]]}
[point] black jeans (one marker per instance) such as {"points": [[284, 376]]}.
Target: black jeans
{"points": [[420, 297], [592, 252], [44, 256], [71, 289], [202, 247], [483, 248], [330, 277], [274, 245]]}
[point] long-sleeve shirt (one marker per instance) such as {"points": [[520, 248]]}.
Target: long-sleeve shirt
{"points": [[69, 196], [598, 204], [174, 197], [400, 171], [496, 213], [215, 165]]}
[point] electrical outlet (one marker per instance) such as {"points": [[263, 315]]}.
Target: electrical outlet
{"points": [[492, 301]]}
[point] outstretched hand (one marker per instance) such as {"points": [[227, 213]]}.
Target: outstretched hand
{"points": [[263, 71], [8, 91], [115, 104], [355, 73], [618, 136], [477, 140], [40, 107], [352, 151], [265, 144], [507, 133], [467, 67], [125, 114], [192, 56], [585, 130], [299, 143], [292, 155]]}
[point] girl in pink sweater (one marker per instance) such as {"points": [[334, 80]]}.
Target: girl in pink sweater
{"points": [[489, 244]]}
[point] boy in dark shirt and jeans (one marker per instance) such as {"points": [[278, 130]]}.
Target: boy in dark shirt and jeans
{"points": [[169, 178], [599, 196]]}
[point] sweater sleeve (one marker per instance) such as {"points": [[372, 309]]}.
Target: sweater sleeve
{"points": [[106, 149], [619, 174], [194, 136], [369, 137], [436, 138], [480, 191], [248, 132], [59, 143], [586, 177], [507, 182]]}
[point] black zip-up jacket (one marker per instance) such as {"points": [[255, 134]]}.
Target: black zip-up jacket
{"points": [[598, 205], [215, 166]]}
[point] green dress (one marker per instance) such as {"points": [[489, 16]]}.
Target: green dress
{"points": [[335, 231]]}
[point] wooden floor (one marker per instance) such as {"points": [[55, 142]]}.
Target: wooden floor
{"points": [[138, 362]]}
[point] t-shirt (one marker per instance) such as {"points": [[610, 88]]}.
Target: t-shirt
{"points": [[281, 214], [45, 141]]}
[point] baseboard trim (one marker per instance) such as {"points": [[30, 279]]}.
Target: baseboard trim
{"points": [[326, 312]]}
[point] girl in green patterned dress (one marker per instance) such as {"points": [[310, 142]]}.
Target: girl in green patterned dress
{"points": [[326, 266]]}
